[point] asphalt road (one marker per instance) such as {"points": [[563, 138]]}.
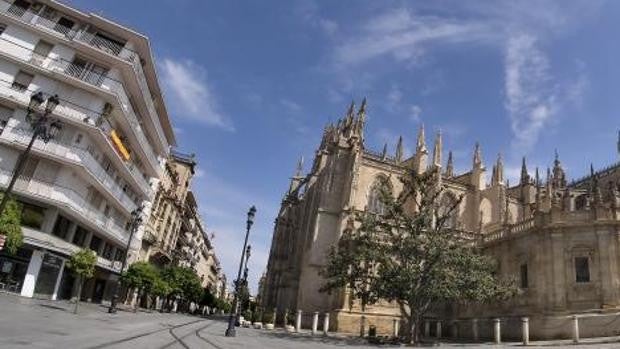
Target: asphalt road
{"points": [[27, 323]]}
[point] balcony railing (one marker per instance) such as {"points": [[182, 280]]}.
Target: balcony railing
{"points": [[73, 111], [92, 39], [77, 156], [67, 197], [94, 78]]}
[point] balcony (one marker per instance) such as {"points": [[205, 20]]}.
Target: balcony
{"points": [[79, 114], [76, 156], [95, 40], [95, 76], [63, 197]]}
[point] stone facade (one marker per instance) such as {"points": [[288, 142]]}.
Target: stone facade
{"points": [[559, 240], [162, 228]]}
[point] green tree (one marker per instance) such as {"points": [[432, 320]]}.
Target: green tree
{"points": [[140, 276], [412, 255], [82, 264], [10, 226], [184, 283]]}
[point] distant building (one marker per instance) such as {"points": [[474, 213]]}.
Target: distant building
{"points": [[79, 189], [559, 239], [163, 227]]}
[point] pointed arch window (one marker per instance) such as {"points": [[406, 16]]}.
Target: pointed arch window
{"points": [[376, 198], [447, 207]]}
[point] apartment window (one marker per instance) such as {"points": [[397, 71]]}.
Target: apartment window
{"points": [[95, 243], [523, 274], [80, 236], [22, 81], [5, 116], [19, 7], [32, 216], [61, 227], [40, 52], [582, 269], [106, 43], [64, 25], [107, 251], [118, 256]]}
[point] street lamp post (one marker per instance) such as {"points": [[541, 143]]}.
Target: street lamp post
{"points": [[43, 126], [136, 219], [243, 283], [230, 331]]}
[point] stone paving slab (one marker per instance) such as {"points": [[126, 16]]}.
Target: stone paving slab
{"points": [[27, 323]]}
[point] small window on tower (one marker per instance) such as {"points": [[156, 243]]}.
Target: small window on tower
{"points": [[582, 269]]}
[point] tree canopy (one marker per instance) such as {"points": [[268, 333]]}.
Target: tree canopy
{"points": [[10, 226], [410, 255], [82, 263]]}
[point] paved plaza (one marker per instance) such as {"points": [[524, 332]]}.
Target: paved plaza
{"points": [[28, 323]]}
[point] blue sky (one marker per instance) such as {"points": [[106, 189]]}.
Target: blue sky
{"points": [[250, 85]]}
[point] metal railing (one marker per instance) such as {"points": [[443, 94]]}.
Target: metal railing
{"points": [[76, 112], [77, 156], [94, 78], [69, 198], [93, 40]]}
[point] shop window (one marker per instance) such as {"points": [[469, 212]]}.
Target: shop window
{"points": [[582, 269], [61, 227], [22, 81], [523, 274], [32, 216]]}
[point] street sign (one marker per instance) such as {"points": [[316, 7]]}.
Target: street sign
{"points": [[2, 241]]}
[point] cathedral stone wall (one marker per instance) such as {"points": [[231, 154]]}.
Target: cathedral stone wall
{"points": [[559, 241]]}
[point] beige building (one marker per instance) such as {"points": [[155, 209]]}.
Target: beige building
{"points": [[162, 228], [559, 240]]}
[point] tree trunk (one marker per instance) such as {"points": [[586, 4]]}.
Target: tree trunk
{"points": [[362, 326], [79, 294], [414, 330]]}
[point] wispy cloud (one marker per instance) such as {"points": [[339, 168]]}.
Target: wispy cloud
{"points": [[531, 95], [190, 94], [403, 35]]}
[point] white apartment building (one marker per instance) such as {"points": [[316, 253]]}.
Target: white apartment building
{"points": [[79, 189]]}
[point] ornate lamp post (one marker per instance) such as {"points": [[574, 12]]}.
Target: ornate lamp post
{"points": [[43, 127], [136, 219], [230, 331]]}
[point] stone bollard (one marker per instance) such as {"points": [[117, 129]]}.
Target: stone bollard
{"points": [[298, 321], [438, 334], [575, 329], [525, 328], [427, 329], [497, 334], [395, 327], [315, 322], [326, 324], [474, 329]]}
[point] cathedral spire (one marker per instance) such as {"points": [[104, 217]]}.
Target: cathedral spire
{"points": [[421, 143], [477, 160], [384, 152], [437, 150], [399, 150], [498, 175], [525, 177], [450, 165], [300, 167]]}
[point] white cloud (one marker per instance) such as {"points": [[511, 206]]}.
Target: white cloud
{"points": [[531, 96], [190, 95], [403, 35], [414, 113]]}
